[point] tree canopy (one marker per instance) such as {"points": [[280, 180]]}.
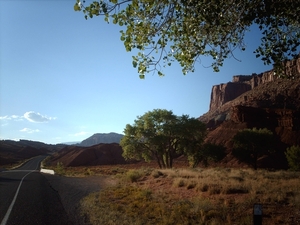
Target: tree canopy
{"points": [[206, 153], [161, 135], [250, 144], [167, 30]]}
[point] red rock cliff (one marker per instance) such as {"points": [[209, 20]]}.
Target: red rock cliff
{"points": [[240, 84]]}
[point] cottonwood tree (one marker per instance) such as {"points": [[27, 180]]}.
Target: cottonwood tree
{"points": [[167, 30], [161, 135], [250, 144], [205, 153]]}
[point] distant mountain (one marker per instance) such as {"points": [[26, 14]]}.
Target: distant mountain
{"points": [[101, 138], [70, 143]]}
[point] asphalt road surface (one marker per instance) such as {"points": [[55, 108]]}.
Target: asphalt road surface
{"points": [[26, 198]]}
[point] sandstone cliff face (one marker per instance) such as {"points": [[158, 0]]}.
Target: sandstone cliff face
{"points": [[265, 102], [223, 93], [240, 84]]}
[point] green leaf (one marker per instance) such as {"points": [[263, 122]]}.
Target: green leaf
{"points": [[160, 74], [142, 76], [134, 64], [189, 31], [77, 7]]}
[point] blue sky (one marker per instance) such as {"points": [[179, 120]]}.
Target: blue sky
{"points": [[64, 78]]}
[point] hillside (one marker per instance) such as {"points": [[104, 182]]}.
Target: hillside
{"points": [[12, 152], [100, 154], [104, 138]]}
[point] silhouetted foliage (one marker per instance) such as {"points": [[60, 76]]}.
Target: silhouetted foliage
{"points": [[205, 153], [250, 144], [169, 30], [293, 157]]}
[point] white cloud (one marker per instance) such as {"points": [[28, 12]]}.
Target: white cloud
{"points": [[13, 117], [37, 117], [29, 131], [4, 118]]}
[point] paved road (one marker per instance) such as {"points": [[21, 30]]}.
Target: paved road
{"points": [[27, 198]]}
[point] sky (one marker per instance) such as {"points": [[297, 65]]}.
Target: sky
{"points": [[64, 78]]}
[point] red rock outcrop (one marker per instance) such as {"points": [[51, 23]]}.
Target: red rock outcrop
{"points": [[240, 84], [270, 102], [223, 93]]}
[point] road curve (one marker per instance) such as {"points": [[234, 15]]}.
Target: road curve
{"points": [[27, 198]]}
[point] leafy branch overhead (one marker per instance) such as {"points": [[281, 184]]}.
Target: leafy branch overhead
{"points": [[170, 30]]}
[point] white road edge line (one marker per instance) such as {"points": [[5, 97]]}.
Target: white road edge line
{"points": [[4, 221]]}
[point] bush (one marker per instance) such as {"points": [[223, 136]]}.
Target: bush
{"points": [[293, 157], [60, 169], [157, 173], [133, 175]]}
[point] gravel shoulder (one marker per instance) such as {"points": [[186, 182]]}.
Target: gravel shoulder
{"points": [[72, 189]]}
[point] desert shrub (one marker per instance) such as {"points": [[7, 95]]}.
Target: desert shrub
{"points": [[118, 170], [134, 175], [204, 188], [60, 168], [192, 184], [45, 162], [237, 178], [179, 182], [157, 173], [88, 172], [235, 190], [293, 157], [214, 189]]}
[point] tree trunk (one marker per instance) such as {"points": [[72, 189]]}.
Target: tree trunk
{"points": [[171, 160], [167, 159], [163, 162], [158, 160]]}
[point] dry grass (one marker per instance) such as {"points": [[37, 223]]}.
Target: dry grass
{"points": [[194, 196]]}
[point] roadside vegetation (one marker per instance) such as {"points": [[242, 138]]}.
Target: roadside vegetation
{"points": [[293, 157], [165, 195], [194, 196]]}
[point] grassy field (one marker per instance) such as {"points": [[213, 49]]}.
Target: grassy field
{"points": [[191, 196]]}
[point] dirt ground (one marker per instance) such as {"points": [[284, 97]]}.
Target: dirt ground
{"points": [[72, 189]]}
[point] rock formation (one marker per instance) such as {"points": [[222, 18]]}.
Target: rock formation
{"points": [[240, 84], [262, 101], [223, 93]]}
